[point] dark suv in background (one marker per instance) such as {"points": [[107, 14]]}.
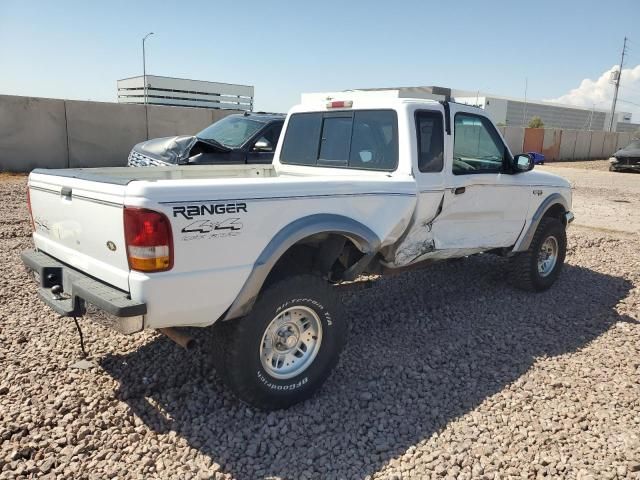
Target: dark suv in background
{"points": [[235, 139], [626, 159]]}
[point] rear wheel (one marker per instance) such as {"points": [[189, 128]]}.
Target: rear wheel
{"points": [[283, 351], [539, 267]]}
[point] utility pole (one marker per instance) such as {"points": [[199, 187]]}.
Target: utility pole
{"points": [[524, 112], [144, 79], [144, 66], [617, 85]]}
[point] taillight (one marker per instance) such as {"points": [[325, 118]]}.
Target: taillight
{"points": [[33, 225], [149, 241]]}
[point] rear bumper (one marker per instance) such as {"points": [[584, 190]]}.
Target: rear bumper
{"points": [[83, 295]]}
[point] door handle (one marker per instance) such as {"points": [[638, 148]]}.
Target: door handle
{"points": [[459, 190]]}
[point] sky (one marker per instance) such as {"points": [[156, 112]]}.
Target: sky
{"points": [[563, 49]]}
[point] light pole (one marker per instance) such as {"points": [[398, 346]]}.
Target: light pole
{"points": [[144, 66]]}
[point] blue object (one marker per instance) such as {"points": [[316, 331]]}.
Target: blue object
{"points": [[538, 158]]}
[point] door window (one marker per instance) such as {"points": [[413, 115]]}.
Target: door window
{"points": [[430, 141], [477, 147]]}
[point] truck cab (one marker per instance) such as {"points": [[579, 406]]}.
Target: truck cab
{"points": [[472, 194]]}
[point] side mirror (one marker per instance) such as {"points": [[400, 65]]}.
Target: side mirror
{"points": [[263, 145], [522, 163]]}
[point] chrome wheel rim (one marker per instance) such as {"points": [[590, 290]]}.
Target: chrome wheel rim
{"points": [[547, 256], [291, 342]]}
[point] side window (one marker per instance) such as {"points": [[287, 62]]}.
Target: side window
{"points": [[334, 143], [374, 142], [364, 139], [301, 139], [430, 134], [477, 147]]}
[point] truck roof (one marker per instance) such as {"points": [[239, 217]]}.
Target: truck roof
{"points": [[359, 99]]}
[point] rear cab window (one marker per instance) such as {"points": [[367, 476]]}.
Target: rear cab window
{"points": [[360, 139]]}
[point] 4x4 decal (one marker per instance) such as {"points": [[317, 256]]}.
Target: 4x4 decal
{"points": [[208, 226]]}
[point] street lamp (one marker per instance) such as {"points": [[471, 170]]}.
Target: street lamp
{"points": [[144, 66]]}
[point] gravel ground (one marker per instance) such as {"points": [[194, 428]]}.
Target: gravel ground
{"points": [[602, 199], [599, 165], [449, 373]]}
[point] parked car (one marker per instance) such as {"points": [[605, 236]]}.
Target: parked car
{"points": [[366, 184], [538, 158], [626, 159], [235, 139]]}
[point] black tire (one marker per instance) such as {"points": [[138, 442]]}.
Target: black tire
{"points": [[240, 365], [525, 271]]}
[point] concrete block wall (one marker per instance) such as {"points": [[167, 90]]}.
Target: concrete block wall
{"points": [[568, 144], [164, 121], [583, 145], [551, 144], [50, 133], [624, 139], [514, 136], [102, 134], [610, 144], [597, 144], [33, 133]]}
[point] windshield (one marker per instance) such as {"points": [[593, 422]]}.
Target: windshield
{"points": [[231, 131]]}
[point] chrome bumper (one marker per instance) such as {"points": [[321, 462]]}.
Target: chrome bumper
{"points": [[568, 218]]}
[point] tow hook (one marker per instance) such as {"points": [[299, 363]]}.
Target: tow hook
{"points": [[56, 291]]}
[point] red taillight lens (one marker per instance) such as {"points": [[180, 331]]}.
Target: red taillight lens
{"points": [[340, 104], [149, 241], [33, 225]]}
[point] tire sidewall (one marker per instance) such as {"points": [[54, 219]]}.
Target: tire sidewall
{"points": [[555, 229], [280, 297]]}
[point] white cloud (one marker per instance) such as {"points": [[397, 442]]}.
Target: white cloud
{"points": [[600, 92]]}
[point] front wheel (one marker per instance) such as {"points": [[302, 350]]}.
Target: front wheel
{"points": [[539, 267], [283, 351]]}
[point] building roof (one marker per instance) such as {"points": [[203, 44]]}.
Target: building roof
{"points": [[187, 79]]}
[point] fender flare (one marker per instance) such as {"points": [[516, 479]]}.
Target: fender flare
{"points": [[524, 241], [365, 239]]}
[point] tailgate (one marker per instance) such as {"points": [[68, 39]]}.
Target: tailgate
{"points": [[80, 222]]}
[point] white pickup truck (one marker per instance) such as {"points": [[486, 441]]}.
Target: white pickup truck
{"points": [[359, 184]]}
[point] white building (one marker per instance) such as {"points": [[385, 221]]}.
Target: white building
{"points": [[517, 112], [185, 93]]}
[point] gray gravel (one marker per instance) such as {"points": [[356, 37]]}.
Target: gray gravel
{"points": [[449, 373]]}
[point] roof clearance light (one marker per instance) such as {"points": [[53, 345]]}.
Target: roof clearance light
{"points": [[340, 104]]}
